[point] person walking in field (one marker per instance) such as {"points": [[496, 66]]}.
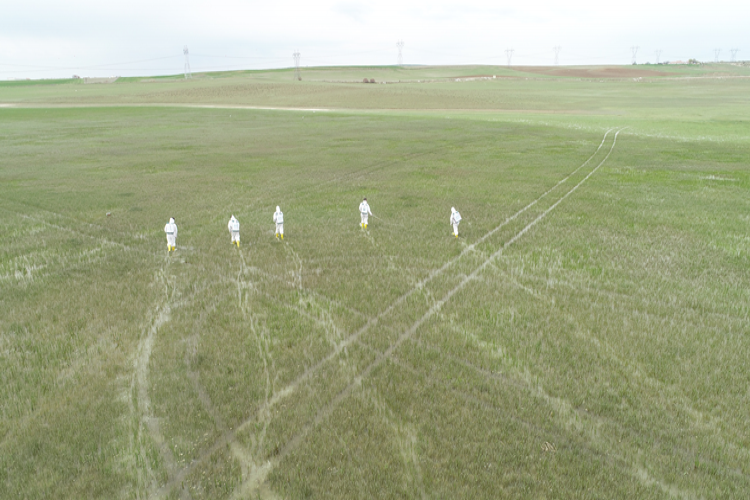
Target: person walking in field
{"points": [[455, 219], [278, 218], [171, 230], [234, 230], [364, 212]]}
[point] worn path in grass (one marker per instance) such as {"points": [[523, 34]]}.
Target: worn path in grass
{"points": [[324, 412], [230, 436]]}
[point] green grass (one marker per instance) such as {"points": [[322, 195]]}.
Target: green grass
{"points": [[587, 347]]}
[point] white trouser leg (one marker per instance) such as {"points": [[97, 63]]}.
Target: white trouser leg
{"points": [[280, 228], [455, 229], [364, 218], [235, 236], [170, 240]]}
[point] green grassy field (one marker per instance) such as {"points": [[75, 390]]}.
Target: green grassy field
{"points": [[585, 337]]}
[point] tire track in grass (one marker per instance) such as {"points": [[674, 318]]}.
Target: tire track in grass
{"points": [[147, 423], [309, 293], [341, 346], [26, 268], [561, 406], [700, 419], [435, 273], [555, 435], [652, 302], [575, 420], [326, 410], [254, 472], [105, 241], [251, 472], [137, 396]]}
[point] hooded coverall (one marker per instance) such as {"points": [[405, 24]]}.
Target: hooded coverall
{"points": [[278, 218], [455, 219], [364, 212], [234, 229], [171, 230]]}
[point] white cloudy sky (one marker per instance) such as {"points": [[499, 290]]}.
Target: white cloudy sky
{"points": [[56, 38]]}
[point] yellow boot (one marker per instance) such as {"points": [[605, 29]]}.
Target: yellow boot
{"points": [[282, 236], [365, 226]]}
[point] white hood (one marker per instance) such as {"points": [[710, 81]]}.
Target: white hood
{"points": [[171, 220], [453, 209], [278, 209]]}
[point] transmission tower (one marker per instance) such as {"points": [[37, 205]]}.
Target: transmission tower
{"points": [[716, 55], [509, 54], [734, 54], [297, 75], [400, 45], [658, 54], [634, 50], [188, 73], [557, 49]]}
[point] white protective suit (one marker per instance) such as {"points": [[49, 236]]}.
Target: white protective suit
{"points": [[455, 219], [234, 229], [171, 230], [278, 218], [364, 212]]}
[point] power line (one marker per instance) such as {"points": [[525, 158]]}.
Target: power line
{"points": [[658, 54], [634, 50], [323, 56], [557, 50], [716, 55], [509, 55], [95, 66], [734, 54], [400, 45], [234, 57]]}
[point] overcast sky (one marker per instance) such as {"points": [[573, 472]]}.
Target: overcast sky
{"points": [[48, 38]]}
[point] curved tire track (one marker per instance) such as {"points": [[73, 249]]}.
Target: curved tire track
{"points": [[229, 436], [324, 412]]}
